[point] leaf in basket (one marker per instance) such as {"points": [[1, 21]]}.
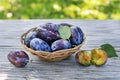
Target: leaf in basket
{"points": [[64, 32]]}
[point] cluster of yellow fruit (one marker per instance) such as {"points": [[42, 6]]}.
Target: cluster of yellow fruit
{"points": [[96, 57]]}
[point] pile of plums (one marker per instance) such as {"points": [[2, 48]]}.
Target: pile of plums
{"points": [[47, 38]]}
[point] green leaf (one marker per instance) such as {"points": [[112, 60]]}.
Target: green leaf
{"points": [[65, 32], [109, 49]]}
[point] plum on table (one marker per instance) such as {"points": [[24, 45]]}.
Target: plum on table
{"points": [[84, 58], [96, 57], [99, 57], [18, 58]]}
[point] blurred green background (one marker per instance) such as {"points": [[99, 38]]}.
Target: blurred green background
{"points": [[60, 9]]}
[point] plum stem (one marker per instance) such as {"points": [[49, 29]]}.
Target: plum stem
{"points": [[28, 60]]}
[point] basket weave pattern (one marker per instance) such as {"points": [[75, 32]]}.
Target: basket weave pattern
{"points": [[50, 56]]}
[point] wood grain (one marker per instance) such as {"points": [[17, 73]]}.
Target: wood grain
{"points": [[97, 32]]}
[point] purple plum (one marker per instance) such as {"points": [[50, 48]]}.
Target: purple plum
{"points": [[18, 58], [76, 37], [39, 45], [60, 44], [29, 37]]}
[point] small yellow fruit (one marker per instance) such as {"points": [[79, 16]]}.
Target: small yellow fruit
{"points": [[84, 58], [98, 57]]}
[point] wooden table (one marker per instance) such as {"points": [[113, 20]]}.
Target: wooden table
{"points": [[97, 32]]}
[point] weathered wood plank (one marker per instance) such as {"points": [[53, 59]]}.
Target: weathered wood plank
{"points": [[97, 32]]}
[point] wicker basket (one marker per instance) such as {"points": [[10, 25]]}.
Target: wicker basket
{"points": [[50, 56]]}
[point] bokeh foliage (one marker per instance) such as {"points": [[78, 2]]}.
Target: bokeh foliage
{"points": [[60, 9]]}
